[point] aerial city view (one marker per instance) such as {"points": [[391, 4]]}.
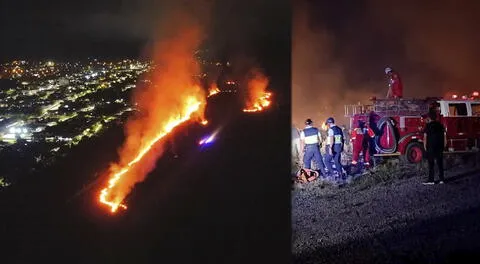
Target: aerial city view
{"points": [[125, 136], [49, 107], [136, 131]]}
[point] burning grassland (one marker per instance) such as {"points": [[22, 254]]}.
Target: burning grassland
{"points": [[213, 90], [172, 98], [258, 99]]}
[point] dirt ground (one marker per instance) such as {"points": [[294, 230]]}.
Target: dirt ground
{"points": [[391, 220]]}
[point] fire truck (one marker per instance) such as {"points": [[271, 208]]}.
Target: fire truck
{"points": [[399, 124]]}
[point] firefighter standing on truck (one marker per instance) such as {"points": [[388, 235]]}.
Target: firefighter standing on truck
{"points": [[395, 86], [360, 139], [311, 141], [334, 147]]}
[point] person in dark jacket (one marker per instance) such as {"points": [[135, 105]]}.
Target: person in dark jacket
{"points": [[434, 142], [334, 148]]}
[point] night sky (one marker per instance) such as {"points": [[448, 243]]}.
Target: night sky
{"points": [[118, 28], [340, 50]]}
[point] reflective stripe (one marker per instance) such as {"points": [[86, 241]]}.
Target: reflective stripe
{"points": [[337, 134], [311, 136], [338, 139]]}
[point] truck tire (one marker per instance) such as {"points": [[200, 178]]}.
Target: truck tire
{"points": [[414, 153]]}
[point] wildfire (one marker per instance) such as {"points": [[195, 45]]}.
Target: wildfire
{"points": [[192, 105], [213, 90], [260, 104], [173, 97], [258, 99]]}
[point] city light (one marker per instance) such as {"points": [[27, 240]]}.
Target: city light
{"points": [[57, 98], [60, 104]]}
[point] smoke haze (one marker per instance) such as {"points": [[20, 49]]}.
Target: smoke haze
{"points": [[340, 51], [167, 98]]}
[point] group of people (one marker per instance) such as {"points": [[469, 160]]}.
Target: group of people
{"points": [[311, 141]]}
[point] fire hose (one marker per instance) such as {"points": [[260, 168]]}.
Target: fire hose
{"points": [[386, 121]]}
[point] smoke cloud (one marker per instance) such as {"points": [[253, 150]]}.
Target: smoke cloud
{"points": [[432, 44], [165, 99], [440, 41], [319, 79]]}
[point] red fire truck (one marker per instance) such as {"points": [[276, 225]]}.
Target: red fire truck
{"points": [[399, 124]]}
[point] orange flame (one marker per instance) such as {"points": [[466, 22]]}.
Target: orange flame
{"points": [[324, 127], [258, 98], [213, 90], [192, 105], [173, 98]]}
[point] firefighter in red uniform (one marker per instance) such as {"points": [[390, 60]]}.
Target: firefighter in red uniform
{"points": [[395, 86], [361, 143]]}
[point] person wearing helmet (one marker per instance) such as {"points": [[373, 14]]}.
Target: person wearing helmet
{"points": [[395, 86], [310, 142], [360, 139], [334, 147]]}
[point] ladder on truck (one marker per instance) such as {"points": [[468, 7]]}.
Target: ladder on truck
{"points": [[390, 107]]}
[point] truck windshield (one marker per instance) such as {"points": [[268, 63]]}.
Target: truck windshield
{"points": [[458, 109]]}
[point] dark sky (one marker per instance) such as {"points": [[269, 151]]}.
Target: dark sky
{"points": [[340, 50], [55, 28], [111, 28]]}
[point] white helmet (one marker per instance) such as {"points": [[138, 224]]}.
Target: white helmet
{"points": [[387, 70]]}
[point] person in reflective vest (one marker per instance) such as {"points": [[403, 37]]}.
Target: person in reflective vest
{"points": [[311, 141], [360, 139], [395, 86], [334, 147]]}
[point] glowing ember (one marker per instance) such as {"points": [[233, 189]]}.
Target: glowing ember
{"points": [[213, 90], [172, 98], [258, 99]]}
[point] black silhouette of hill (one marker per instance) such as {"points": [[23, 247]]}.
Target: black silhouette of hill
{"points": [[212, 205]]}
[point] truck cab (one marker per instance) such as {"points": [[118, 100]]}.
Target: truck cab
{"points": [[461, 119]]}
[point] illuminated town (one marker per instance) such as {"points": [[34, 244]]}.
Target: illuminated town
{"points": [[49, 107]]}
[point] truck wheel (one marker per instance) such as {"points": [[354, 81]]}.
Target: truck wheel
{"points": [[414, 152]]}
